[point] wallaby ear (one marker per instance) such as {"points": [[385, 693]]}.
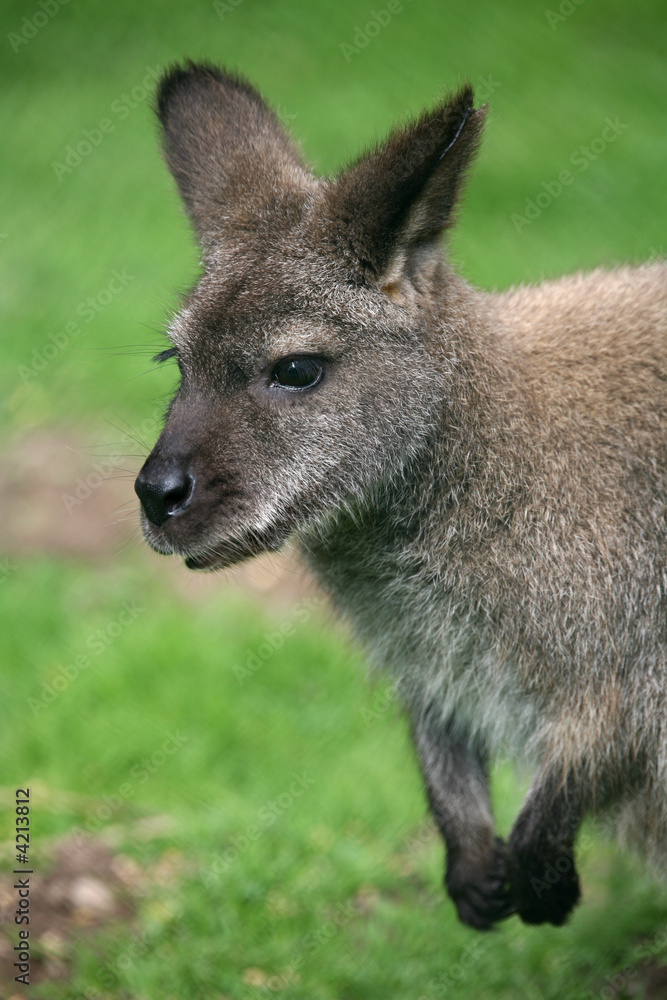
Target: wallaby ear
{"points": [[399, 197], [226, 149]]}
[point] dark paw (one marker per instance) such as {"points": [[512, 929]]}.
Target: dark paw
{"points": [[480, 892], [544, 889]]}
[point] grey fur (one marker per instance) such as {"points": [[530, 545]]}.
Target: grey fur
{"points": [[479, 480]]}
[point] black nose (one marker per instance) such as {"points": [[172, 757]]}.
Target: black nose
{"points": [[163, 493]]}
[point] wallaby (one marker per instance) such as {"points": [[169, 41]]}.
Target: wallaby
{"points": [[479, 480]]}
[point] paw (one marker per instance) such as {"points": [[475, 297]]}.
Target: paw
{"points": [[480, 891], [545, 888]]}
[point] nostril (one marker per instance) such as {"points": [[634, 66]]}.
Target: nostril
{"points": [[164, 498], [177, 496]]}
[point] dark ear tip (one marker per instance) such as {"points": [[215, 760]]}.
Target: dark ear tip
{"points": [[466, 96], [176, 79], [474, 118], [464, 100], [194, 78]]}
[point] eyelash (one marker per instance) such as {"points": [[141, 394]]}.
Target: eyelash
{"points": [[171, 352]]}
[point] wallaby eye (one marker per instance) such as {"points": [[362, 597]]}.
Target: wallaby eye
{"points": [[297, 373]]}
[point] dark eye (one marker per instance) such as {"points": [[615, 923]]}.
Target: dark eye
{"points": [[297, 373]]}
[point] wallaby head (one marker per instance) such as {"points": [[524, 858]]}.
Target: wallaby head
{"points": [[309, 368]]}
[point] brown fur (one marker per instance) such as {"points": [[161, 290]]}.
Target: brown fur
{"points": [[479, 480]]}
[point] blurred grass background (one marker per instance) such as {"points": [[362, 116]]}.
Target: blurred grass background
{"points": [[339, 894]]}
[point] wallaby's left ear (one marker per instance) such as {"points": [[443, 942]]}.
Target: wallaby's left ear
{"points": [[400, 196]]}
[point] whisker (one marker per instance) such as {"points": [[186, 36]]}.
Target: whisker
{"points": [[131, 433], [131, 536]]}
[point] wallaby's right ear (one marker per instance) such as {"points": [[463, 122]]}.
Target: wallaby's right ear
{"points": [[225, 147], [397, 199]]}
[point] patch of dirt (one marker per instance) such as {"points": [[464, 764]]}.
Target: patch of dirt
{"points": [[89, 885], [646, 981], [83, 892], [62, 494], [655, 984]]}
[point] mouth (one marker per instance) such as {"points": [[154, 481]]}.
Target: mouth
{"points": [[220, 554], [231, 551]]}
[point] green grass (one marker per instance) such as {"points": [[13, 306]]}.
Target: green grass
{"points": [[340, 879], [350, 844]]}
